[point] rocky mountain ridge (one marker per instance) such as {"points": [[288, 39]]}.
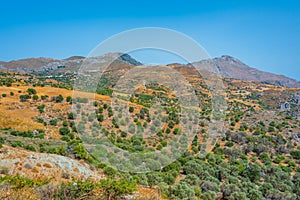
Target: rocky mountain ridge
{"points": [[226, 66]]}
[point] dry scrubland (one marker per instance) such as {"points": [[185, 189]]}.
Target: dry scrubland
{"points": [[256, 156]]}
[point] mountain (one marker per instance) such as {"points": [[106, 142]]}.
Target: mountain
{"points": [[226, 66], [26, 65], [233, 68], [71, 64]]}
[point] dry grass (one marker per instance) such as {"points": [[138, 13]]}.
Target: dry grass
{"points": [[20, 115], [8, 193]]}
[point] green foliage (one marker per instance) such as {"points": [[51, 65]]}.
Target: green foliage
{"points": [[100, 118], [180, 191], [64, 131], [296, 154], [109, 171], [69, 99], [114, 189], [35, 97], [41, 108], [24, 98], [28, 134], [65, 138], [53, 122], [229, 144], [177, 131], [80, 151], [105, 91], [31, 91], [17, 143], [59, 99], [29, 147], [75, 190], [19, 182], [71, 115], [81, 100]]}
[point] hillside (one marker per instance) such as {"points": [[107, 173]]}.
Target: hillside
{"points": [[54, 138], [72, 64], [233, 68], [226, 66]]}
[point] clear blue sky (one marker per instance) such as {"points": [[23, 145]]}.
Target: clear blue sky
{"points": [[262, 33]]}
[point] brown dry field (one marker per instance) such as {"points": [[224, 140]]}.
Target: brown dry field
{"points": [[19, 115]]}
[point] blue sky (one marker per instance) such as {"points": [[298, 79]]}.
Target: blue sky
{"points": [[263, 34]]}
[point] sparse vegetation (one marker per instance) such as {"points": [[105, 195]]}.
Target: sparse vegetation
{"points": [[256, 157]]}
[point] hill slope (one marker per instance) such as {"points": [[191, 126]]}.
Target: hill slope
{"points": [[233, 68]]}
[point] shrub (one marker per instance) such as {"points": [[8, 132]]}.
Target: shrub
{"points": [[59, 99], [124, 134], [229, 144], [131, 109], [69, 99], [65, 138], [65, 123], [73, 190], [3, 95], [71, 116], [100, 118], [43, 97], [35, 97], [181, 190], [80, 151], [30, 148], [114, 189], [20, 182], [31, 91], [17, 144], [53, 122], [296, 154], [177, 131], [64, 131], [24, 98], [41, 108]]}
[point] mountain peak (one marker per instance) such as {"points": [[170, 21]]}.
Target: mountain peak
{"points": [[123, 57], [231, 67]]}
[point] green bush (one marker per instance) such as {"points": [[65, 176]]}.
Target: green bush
{"points": [[65, 138], [30, 148], [131, 109], [24, 98], [59, 99], [20, 182], [53, 122], [41, 108], [17, 144], [80, 151], [114, 189], [35, 97], [296, 154], [31, 91], [229, 144], [64, 131], [69, 99], [181, 190]]}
